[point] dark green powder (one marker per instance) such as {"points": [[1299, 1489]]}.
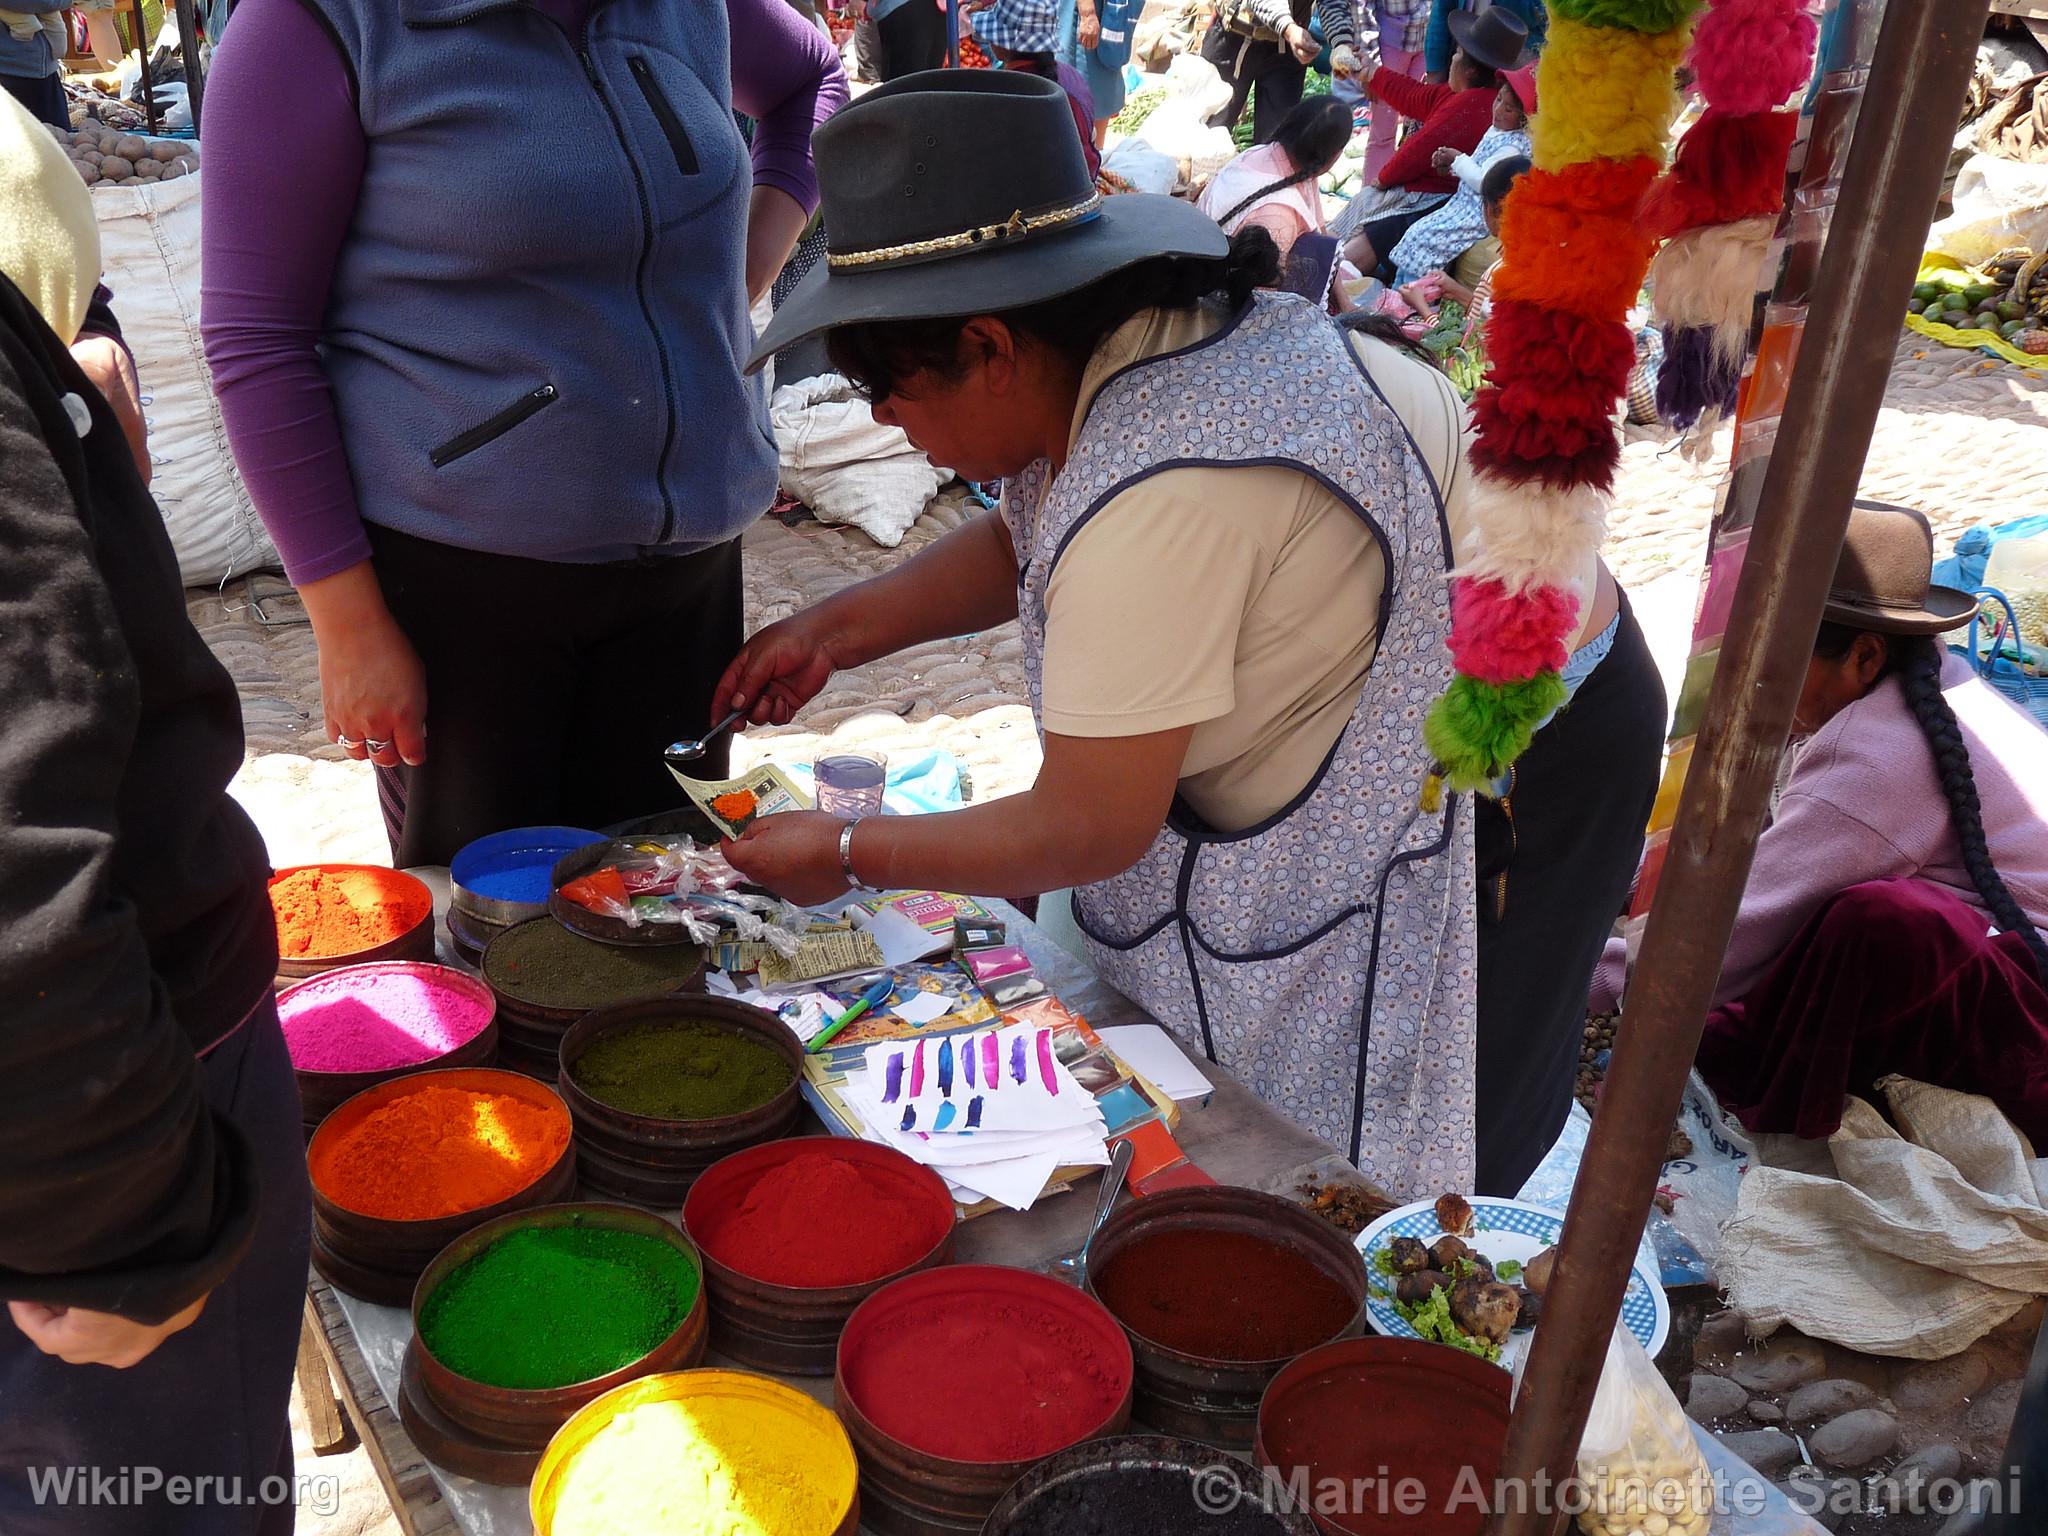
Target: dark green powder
{"points": [[550, 1306], [682, 1070], [543, 964]]}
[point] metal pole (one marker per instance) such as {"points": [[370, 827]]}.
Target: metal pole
{"points": [[195, 70], [1925, 52], [144, 42]]}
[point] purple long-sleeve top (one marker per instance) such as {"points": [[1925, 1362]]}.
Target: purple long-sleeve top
{"points": [[284, 161]]}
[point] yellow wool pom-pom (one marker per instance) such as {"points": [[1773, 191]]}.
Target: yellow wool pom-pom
{"points": [[1607, 93]]}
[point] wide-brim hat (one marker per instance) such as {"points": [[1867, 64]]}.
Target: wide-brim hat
{"points": [[1883, 581], [1496, 36], [964, 192]]}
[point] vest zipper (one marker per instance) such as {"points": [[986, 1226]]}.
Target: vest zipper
{"points": [[671, 126], [1500, 881], [464, 443], [668, 388]]}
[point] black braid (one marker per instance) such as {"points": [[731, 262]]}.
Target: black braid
{"points": [[1919, 666], [1267, 191]]}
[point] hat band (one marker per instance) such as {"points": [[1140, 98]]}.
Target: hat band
{"points": [[1016, 226]]}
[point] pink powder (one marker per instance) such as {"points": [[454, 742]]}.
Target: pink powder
{"points": [[371, 1018]]}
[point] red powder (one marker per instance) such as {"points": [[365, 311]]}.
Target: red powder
{"points": [[1223, 1295], [327, 910], [822, 1220], [984, 1377]]}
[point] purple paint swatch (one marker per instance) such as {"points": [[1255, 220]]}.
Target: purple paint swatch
{"points": [[1017, 1072], [968, 1056], [892, 1081]]}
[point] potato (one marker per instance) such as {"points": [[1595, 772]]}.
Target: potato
{"points": [[165, 151], [131, 148], [117, 167], [149, 170], [89, 173], [176, 169]]}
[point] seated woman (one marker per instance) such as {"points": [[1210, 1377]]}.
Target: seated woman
{"points": [[1454, 116], [1477, 299], [1440, 237], [1229, 566], [1274, 186], [1914, 822]]}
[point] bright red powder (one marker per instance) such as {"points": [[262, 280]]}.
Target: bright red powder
{"points": [[821, 1219], [984, 1378]]}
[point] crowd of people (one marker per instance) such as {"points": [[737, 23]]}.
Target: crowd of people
{"points": [[502, 415]]}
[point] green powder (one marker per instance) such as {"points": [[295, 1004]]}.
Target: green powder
{"points": [[544, 965], [550, 1306], [682, 1070]]}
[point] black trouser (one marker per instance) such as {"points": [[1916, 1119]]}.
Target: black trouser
{"points": [[913, 38], [1556, 858], [552, 689], [213, 1401], [43, 95], [1272, 67]]}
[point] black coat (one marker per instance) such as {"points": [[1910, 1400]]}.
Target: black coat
{"points": [[135, 931]]}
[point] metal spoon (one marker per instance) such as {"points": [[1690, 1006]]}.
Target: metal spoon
{"points": [[1073, 1267], [690, 751]]}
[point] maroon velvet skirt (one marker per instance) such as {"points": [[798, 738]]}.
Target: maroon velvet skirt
{"points": [[1896, 976]]}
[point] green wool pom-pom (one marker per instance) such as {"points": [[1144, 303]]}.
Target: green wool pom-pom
{"points": [[1477, 729], [1646, 16]]}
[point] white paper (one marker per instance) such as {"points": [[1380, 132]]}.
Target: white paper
{"points": [[1016, 1183], [1151, 1052], [923, 1008], [902, 941]]}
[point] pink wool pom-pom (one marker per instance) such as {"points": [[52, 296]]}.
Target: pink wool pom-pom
{"points": [[1750, 55], [1498, 636]]}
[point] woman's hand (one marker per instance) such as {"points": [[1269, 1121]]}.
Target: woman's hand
{"points": [[1445, 157], [1343, 61], [794, 854], [371, 681], [79, 1337], [1090, 26], [783, 668]]}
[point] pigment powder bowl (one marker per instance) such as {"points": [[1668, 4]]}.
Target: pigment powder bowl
{"points": [[504, 879], [661, 1089], [1377, 1411], [546, 978], [1142, 1484], [795, 1234], [953, 1381], [331, 915], [352, 1028], [1218, 1288], [698, 1453], [405, 1168], [521, 1322]]}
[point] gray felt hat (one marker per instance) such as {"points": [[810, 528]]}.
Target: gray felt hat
{"points": [[964, 192]]}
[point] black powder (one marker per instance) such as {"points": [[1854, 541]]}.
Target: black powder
{"points": [[1138, 1501]]}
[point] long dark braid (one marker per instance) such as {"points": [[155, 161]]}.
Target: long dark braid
{"points": [[1267, 191], [1918, 662]]}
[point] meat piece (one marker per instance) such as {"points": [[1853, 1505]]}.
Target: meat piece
{"points": [[1454, 1215], [1446, 1251], [1536, 1273], [1532, 1309], [1407, 1255], [1486, 1309], [1419, 1285]]}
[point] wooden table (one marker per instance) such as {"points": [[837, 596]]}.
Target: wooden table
{"points": [[1234, 1136]]}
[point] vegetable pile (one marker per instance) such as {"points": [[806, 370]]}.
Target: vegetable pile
{"points": [[2008, 298], [106, 157]]}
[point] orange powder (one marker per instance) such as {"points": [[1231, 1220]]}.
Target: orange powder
{"points": [[438, 1151], [342, 909]]}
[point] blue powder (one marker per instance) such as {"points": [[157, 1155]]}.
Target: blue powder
{"points": [[513, 880], [519, 865]]}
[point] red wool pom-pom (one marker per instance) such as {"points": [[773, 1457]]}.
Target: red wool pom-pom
{"points": [[1500, 636], [1556, 349], [1517, 447], [1727, 168]]}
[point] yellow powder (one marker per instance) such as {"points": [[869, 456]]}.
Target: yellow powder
{"points": [[759, 1460]]}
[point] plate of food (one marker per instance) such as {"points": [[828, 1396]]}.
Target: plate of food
{"points": [[1470, 1272]]}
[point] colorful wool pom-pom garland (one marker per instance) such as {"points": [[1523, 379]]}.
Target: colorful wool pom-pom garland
{"points": [[1718, 205], [1574, 252]]}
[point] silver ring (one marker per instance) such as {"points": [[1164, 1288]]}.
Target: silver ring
{"points": [[375, 745], [347, 741]]}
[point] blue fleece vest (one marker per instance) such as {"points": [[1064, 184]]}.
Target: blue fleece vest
{"points": [[539, 316]]}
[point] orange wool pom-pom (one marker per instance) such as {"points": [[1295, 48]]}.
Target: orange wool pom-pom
{"points": [[1572, 241]]}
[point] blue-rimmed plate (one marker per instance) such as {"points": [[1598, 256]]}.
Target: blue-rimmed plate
{"points": [[1503, 1230]]}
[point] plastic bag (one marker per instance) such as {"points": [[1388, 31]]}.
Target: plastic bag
{"points": [[1643, 1472], [2019, 569]]}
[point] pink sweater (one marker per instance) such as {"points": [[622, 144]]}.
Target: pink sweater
{"points": [[1864, 802]]}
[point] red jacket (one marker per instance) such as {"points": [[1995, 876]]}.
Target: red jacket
{"points": [[1455, 118]]}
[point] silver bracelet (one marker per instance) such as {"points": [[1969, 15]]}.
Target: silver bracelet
{"points": [[846, 855]]}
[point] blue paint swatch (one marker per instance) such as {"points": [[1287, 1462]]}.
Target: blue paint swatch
{"points": [[945, 1071], [974, 1112], [944, 1118], [909, 1119]]}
